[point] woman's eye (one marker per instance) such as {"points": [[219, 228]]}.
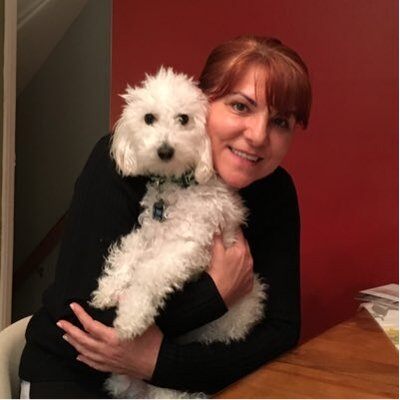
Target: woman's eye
{"points": [[240, 107], [183, 119], [149, 119], [281, 123]]}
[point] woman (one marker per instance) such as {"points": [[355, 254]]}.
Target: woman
{"points": [[259, 91]]}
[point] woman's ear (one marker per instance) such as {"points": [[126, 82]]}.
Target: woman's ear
{"points": [[122, 149], [204, 169]]}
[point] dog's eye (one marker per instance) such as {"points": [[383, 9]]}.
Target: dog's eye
{"points": [[183, 119], [149, 119]]}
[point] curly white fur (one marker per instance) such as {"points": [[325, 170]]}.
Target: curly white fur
{"points": [[150, 263]]}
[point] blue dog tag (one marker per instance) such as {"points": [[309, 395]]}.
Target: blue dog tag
{"points": [[158, 210]]}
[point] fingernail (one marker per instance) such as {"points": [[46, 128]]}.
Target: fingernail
{"points": [[59, 324], [79, 358], [72, 305], [65, 337]]}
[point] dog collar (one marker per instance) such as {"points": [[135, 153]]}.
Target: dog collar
{"points": [[159, 210], [184, 181]]}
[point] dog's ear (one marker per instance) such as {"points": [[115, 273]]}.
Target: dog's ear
{"points": [[122, 149], [204, 169]]}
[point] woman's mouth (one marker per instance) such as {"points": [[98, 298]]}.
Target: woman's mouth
{"points": [[246, 156]]}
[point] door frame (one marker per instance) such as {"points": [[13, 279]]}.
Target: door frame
{"points": [[8, 161]]}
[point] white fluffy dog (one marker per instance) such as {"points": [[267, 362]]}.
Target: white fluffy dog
{"points": [[161, 134]]}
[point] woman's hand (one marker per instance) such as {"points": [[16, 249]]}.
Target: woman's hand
{"points": [[100, 347], [232, 269]]}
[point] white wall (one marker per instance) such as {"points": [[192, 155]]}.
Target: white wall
{"points": [[60, 115]]}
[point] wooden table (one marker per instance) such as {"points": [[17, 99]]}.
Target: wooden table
{"points": [[354, 359]]}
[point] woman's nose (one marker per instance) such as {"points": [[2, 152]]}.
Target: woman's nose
{"points": [[257, 130]]}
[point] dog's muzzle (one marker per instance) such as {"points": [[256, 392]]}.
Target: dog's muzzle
{"points": [[165, 152]]}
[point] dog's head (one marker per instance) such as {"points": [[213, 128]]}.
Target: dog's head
{"points": [[162, 129]]}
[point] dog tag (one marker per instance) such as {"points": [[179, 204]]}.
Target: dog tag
{"points": [[158, 210]]}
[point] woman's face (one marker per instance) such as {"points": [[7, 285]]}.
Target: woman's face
{"points": [[248, 142]]}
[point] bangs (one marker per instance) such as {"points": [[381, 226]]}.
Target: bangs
{"points": [[288, 90], [287, 85]]}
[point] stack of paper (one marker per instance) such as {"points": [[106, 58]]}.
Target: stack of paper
{"points": [[382, 303]]}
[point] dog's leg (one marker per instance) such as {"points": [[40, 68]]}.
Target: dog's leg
{"points": [[125, 387], [122, 260], [153, 281], [237, 322], [155, 392]]}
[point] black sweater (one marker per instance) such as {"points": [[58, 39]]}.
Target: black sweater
{"points": [[106, 206]]}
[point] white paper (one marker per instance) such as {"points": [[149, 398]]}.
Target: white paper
{"points": [[389, 292]]}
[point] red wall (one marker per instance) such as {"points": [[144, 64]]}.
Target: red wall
{"points": [[345, 166]]}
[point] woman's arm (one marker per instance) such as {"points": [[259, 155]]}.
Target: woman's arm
{"points": [[104, 207], [100, 347], [273, 235], [228, 278], [275, 246]]}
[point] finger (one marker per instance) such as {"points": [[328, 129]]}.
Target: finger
{"points": [[71, 329], [94, 364], [240, 243], [239, 236], [84, 350], [251, 263], [246, 245], [243, 241], [240, 247], [92, 326], [78, 335], [84, 318], [249, 257], [218, 244]]}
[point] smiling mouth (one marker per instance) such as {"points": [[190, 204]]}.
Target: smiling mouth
{"points": [[246, 156]]}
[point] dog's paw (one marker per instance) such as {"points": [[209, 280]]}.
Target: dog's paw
{"points": [[125, 333], [101, 300], [128, 329]]}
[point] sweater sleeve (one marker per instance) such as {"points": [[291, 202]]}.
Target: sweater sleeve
{"points": [[106, 206], [273, 235], [196, 305]]}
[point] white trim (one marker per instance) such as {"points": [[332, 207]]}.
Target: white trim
{"points": [[7, 191], [41, 25], [28, 8]]}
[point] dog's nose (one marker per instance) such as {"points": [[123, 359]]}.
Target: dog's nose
{"points": [[165, 152]]}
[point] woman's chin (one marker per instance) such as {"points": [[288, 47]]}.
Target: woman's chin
{"points": [[236, 181]]}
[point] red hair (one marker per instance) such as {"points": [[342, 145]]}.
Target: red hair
{"points": [[288, 88]]}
